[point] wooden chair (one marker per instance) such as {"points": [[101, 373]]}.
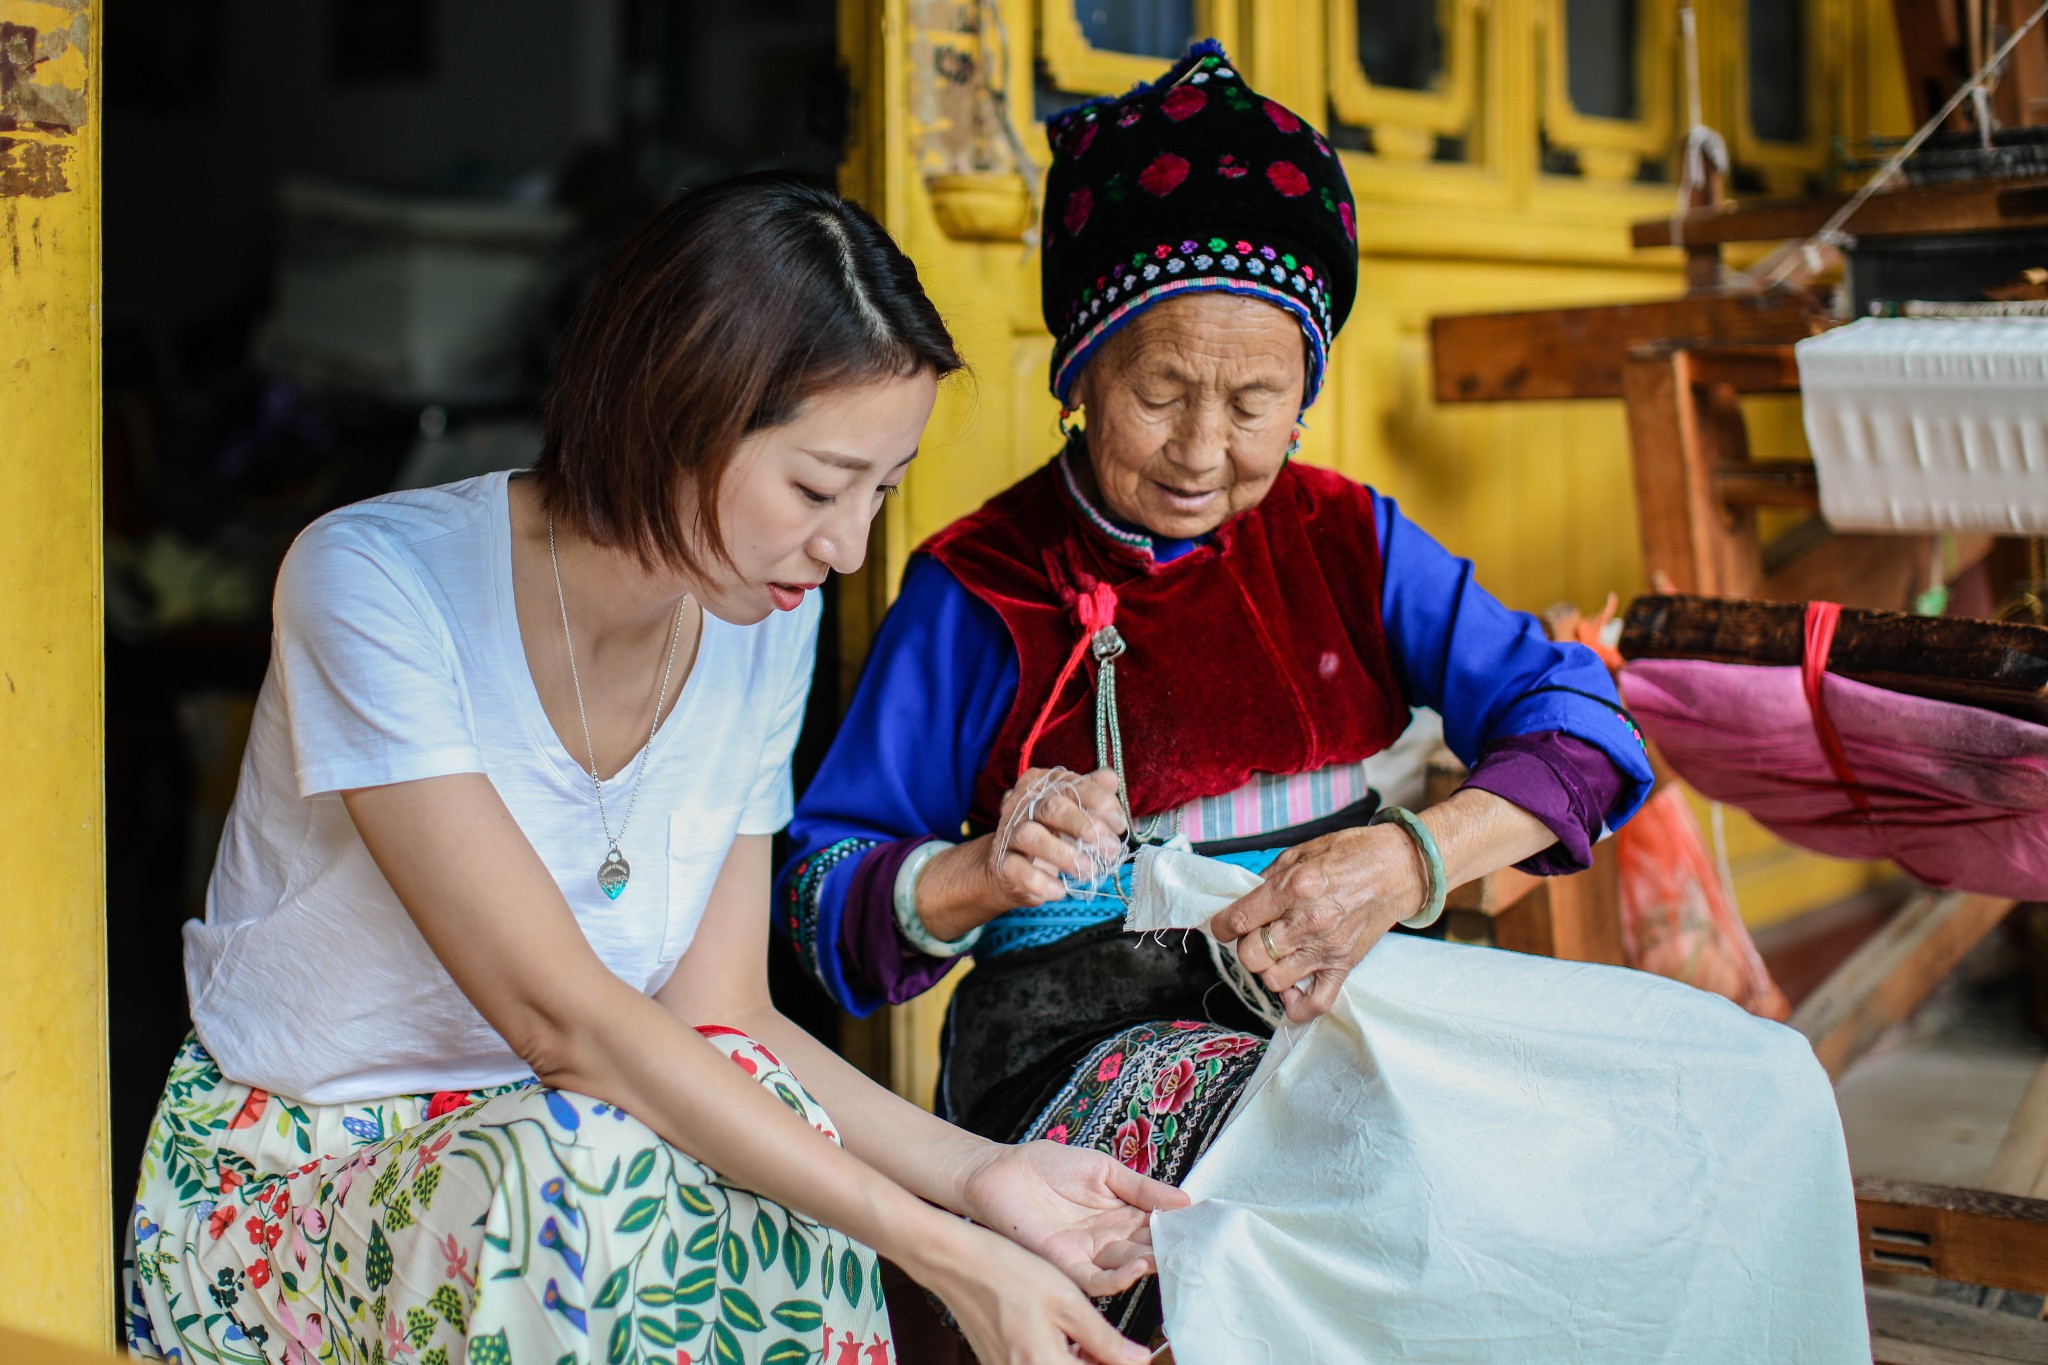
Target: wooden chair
{"points": [[1575, 917]]}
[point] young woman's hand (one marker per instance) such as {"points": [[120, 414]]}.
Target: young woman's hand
{"points": [[1013, 1308], [1086, 1213], [969, 886]]}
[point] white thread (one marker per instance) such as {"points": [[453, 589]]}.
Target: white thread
{"points": [[1248, 989], [1704, 146], [1717, 813], [1104, 855]]}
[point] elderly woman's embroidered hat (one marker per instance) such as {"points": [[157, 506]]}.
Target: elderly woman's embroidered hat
{"points": [[1192, 182]]}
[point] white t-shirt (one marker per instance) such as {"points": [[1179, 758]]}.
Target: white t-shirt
{"points": [[397, 656]]}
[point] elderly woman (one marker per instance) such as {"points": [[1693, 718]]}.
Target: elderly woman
{"points": [[1231, 642]]}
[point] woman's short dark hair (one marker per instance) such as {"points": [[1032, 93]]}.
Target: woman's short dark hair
{"points": [[732, 306]]}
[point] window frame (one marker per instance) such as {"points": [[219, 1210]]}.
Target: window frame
{"points": [[1081, 68], [1783, 163], [1447, 110], [1612, 139]]}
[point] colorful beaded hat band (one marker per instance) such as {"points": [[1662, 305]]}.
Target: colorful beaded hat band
{"points": [[1192, 183]]}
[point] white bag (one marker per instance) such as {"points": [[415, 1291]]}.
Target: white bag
{"points": [[1483, 1156]]}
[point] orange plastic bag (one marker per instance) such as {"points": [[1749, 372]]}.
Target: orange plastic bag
{"points": [[1677, 919]]}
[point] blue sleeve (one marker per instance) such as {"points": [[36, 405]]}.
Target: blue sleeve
{"points": [[938, 683], [1491, 672]]}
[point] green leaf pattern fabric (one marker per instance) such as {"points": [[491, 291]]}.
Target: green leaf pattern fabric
{"points": [[477, 1227]]}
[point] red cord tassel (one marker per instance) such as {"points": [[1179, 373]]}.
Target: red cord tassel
{"points": [[1821, 619], [1096, 608]]}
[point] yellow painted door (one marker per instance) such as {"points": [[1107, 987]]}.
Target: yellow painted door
{"points": [[1498, 150], [55, 1267]]}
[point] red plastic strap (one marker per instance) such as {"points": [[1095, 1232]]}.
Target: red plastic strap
{"points": [[1096, 608], [1821, 619]]}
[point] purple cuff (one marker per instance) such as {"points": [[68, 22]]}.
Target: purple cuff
{"points": [[871, 951], [1566, 783]]}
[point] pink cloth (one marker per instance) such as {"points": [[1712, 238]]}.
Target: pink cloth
{"points": [[1958, 797]]}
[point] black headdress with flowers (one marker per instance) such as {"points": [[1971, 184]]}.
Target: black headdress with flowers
{"points": [[1192, 182]]}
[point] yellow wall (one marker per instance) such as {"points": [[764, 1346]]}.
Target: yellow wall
{"points": [[55, 1276], [1537, 494]]}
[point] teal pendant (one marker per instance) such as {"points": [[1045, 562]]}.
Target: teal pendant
{"points": [[612, 874]]}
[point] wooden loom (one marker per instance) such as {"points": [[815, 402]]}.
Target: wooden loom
{"points": [[1682, 366]]}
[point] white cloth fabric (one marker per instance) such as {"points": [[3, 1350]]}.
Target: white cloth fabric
{"points": [[1484, 1156], [397, 656], [1172, 889]]}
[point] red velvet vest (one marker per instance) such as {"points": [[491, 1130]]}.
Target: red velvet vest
{"points": [[1259, 651]]}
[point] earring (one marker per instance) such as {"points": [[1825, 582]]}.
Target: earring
{"points": [[1294, 444], [1069, 428]]}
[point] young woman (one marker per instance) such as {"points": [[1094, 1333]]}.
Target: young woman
{"points": [[484, 1064]]}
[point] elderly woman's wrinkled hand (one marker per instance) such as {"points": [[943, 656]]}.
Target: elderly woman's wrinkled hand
{"points": [[1051, 825], [1041, 837], [1320, 909]]}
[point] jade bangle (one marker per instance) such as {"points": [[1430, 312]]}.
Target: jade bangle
{"points": [[1432, 859], [909, 923]]}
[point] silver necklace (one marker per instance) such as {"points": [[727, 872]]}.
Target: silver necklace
{"points": [[614, 871]]}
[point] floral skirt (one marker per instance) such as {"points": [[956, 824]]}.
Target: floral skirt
{"points": [[500, 1226]]}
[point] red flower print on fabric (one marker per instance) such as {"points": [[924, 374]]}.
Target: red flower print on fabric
{"points": [[1244, 248], [1350, 224], [1230, 168], [1165, 173], [1226, 1045], [1134, 1145], [1129, 117], [1112, 1067], [218, 1223], [259, 1273], [1080, 142], [1079, 204], [1287, 178], [447, 1102], [1172, 1087], [254, 1227], [1183, 101], [1163, 250], [251, 1110], [1283, 119], [1056, 1133]]}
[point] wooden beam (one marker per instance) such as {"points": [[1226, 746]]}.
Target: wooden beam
{"points": [[1888, 977], [1913, 211], [1938, 1231], [1998, 665], [1918, 1329], [1575, 918], [1930, 49], [2021, 1166], [1746, 366], [1680, 434], [1578, 352], [1792, 483]]}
